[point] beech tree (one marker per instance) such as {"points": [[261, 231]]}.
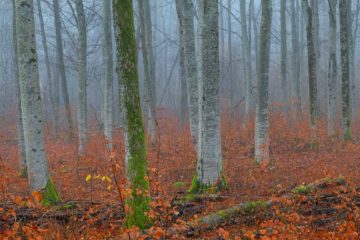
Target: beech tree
{"points": [[37, 165], [262, 111], [136, 166]]}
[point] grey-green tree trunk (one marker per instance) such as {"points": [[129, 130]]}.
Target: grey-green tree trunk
{"points": [[136, 169], [19, 121], [262, 111], [345, 67], [249, 102], [183, 96], [82, 63], [311, 70], [295, 63], [332, 71], [230, 57], [316, 36], [209, 162], [191, 69], [37, 164], [61, 65], [108, 57], [284, 86]]}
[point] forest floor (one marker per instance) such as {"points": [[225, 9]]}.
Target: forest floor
{"points": [[93, 187]]}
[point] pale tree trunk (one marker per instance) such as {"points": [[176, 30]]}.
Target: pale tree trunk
{"points": [[332, 71], [230, 58], [315, 29], [249, 103], [262, 111], [82, 62], [209, 162], [136, 166], [191, 69], [152, 86], [345, 73], [283, 59], [46, 55], [108, 57], [37, 164], [19, 120], [311, 71], [256, 40], [149, 72], [183, 96], [61, 66], [295, 62]]}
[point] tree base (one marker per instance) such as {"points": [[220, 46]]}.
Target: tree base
{"points": [[199, 187], [50, 196], [23, 172]]}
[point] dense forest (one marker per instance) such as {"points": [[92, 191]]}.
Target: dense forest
{"points": [[179, 119]]}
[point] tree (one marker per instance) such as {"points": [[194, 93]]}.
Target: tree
{"points": [[108, 55], [262, 111], [37, 165], [284, 87], [136, 167], [149, 65], [61, 65], [246, 58], [295, 62], [19, 120], [311, 70], [209, 159], [82, 63], [345, 64], [191, 69], [332, 74]]}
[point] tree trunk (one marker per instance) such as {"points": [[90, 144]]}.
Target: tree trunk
{"points": [[19, 120], [315, 29], [183, 96], [249, 105], [209, 162], [61, 65], [283, 59], [136, 169], [311, 71], [108, 56], [332, 74], [82, 62], [345, 73], [37, 164], [296, 83], [262, 111], [230, 57]]}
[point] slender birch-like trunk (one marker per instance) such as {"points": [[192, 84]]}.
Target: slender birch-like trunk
{"points": [[345, 69], [61, 66], [295, 62], [19, 120], [284, 86], [37, 164], [262, 111], [136, 166], [332, 71], [108, 57], [82, 63], [311, 71]]}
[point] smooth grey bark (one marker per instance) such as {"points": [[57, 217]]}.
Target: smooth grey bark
{"points": [[19, 120], [283, 47], [191, 70], [230, 57], [315, 29], [332, 71], [262, 111], [295, 62], [249, 103], [345, 68], [148, 60], [209, 162], [311, 70], [108, 57], [37, 165], [61, 66], [256, 37], [82, 63], [183, 96]]}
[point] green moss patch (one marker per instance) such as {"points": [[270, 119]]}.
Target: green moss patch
{"points": [[50, 195]]}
